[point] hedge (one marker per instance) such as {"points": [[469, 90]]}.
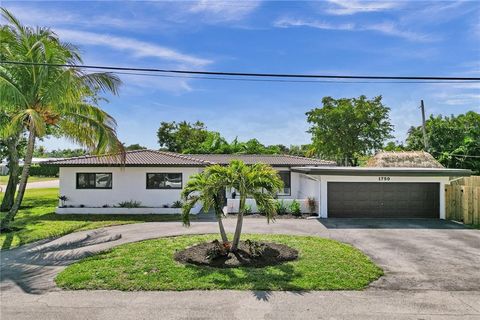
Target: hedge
{"points": [[46, 171]]}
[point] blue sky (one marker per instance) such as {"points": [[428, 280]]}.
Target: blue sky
{"points": [[438, 38]]}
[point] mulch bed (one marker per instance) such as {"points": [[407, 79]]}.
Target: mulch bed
{"points": [[273, 254]]}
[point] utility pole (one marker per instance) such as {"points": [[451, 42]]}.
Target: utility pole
{"points": [[425, 141]]}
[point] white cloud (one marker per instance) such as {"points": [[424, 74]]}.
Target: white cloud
{"points": [[222, 10], [287, 22], [387, 28], [458, 99], [392, 29], [138, 48], [349, 7], [56, 17]]}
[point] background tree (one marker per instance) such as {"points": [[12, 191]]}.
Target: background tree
{"points": [[182, 136], [394, 146], [344, 129], [454, 141], [185, 137], [135, 146], [65, 153], [39, 97]]}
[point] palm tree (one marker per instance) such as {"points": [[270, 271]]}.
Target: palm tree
{"points": [[207, 189], [44, 97], [259, 181]]}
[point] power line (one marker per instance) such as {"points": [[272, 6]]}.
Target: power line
{"points": [[244, 74], [277, 80]]}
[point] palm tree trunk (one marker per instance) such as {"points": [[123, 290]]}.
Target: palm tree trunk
{"points": [[219, 214], [223, 234], [23, 181], [238, 228], [13, 169]]}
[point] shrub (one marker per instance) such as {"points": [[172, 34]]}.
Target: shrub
{"points": [[130, 204], [247, 209], [63, 199], [106, 206], [295, 208], [255, 248], [217, 251], [312, 206], [280, 207], [177, 204], [42, 170]]}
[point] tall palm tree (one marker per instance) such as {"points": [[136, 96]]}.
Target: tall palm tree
{"points": [[43, 97], [259, 181], [208, 190]]}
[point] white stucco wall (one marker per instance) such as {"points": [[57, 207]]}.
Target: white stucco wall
{"points": [[301, 188], [128, 183], [324, 179]]}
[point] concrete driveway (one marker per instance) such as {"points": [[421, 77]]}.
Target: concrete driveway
{"points": [[431, 269]]}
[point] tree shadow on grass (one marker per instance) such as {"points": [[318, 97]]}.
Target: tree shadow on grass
{"points": [[33, 270], [262, 281]]}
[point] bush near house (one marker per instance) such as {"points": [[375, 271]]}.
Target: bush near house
{"points": [[45, 171]]}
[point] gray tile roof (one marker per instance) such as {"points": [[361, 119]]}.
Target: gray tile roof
{"points": [[163, 158]]}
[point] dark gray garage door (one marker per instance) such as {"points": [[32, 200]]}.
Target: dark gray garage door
{"points": [[383, 200]]}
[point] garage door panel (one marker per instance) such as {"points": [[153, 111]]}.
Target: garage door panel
{"points": [[383, 200]]}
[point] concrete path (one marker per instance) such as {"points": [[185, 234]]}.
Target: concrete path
{"points": [[432, 269], [37, 185]]}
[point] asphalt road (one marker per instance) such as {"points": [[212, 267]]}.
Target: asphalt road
{"points": [[431, 272]]}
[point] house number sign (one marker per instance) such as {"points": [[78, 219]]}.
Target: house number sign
{"points": [[384, 179]]}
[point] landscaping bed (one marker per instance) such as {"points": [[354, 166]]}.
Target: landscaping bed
{"points": [[322, 264], [249, 254]]}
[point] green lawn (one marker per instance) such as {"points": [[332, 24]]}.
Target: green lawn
{"points": [[148, 265], [4, 179], [37, 220]]}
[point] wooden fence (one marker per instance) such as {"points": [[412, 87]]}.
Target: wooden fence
{"points": [[462, 200]]}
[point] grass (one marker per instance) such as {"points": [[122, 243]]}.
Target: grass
{"points": [[37, 219], [324, 264], [4, 179]]}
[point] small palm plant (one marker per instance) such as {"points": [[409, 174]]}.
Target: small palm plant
{"points": [[206, 189], [259, 181]]}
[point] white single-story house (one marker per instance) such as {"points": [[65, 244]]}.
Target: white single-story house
{"points": [[154, 179]]}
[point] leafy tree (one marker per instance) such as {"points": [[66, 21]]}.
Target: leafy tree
{"points": [[66, 153], [39, 97], [344, 129], [304, 150], [394, 146], [182, 136], [135, 146], [42, 152], [259, 181], [185, 137], [454, 141]]}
